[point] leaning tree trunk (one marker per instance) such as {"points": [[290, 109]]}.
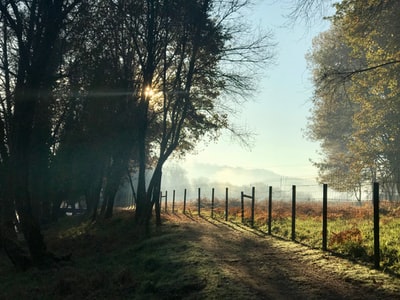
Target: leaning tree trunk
{"points": [[155, 186]]}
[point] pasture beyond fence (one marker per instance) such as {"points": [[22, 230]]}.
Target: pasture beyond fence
{"points": [[295, 220]]}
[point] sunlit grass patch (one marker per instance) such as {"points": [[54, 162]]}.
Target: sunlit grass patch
{"points": [[350, 227]]}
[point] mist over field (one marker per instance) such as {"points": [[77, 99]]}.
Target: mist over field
{"points": [[178, 177], [237, 179]]}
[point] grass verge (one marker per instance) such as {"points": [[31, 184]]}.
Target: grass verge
{"points": [[110, 260]]}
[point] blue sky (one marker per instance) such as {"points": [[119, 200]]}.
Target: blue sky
{"points": [[278, 112]]}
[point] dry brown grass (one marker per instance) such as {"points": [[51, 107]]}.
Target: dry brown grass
{"points": [[283, 209]]}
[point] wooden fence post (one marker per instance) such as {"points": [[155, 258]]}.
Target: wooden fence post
{"points": [[253, 194], [376, 225], [184, 201], [226, 204], [242, 196], [269, 210], [242, 206], [161, 196], [293, 213], [198, 203], [173, 201], [212, 203], [325, 217], [166, 200]]}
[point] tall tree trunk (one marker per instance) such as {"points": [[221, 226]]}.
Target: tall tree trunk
{"points": [[39, 157], [149, 65], [20, 165], [142, 203], [7, 208], [117, 172], [93, 195]]}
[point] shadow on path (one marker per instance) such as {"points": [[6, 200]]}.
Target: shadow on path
{"points": [[251, 265]]}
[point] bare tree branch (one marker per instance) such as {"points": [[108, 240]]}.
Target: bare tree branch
{"points": [[347, 74]]}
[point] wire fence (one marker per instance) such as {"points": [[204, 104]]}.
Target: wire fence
{"points": [[366, 229]]}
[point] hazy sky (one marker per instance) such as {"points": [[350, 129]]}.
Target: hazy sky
{"points": [[278, 112]]}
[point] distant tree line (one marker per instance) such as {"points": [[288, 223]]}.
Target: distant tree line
{"points": [[91, 91]]}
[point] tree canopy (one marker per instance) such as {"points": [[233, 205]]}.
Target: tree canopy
{"points": [[356, 112], [92, 91]]}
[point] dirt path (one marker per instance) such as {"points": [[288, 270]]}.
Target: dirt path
{"points": [[264, 267]]}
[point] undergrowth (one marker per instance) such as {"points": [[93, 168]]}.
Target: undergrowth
{"points": [[110, 260]]}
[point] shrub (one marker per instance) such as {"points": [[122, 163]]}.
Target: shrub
{"points": [[349, 242]]}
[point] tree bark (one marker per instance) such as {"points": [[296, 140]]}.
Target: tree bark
{"points": [[156, 192], [39, 157], [142, 204], [113, 181], [93, 195], [20, 165]]}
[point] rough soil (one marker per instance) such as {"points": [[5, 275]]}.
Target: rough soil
{"points": [[265, 267]]}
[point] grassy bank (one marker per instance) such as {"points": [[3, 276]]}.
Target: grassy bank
{"points": [[110, 260]]}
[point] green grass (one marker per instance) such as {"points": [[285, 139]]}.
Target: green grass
{"points": [[112, 260], [351, 238]]}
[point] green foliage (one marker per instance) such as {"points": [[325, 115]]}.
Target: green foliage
{"points": [[114, 85], [355, 71]]}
